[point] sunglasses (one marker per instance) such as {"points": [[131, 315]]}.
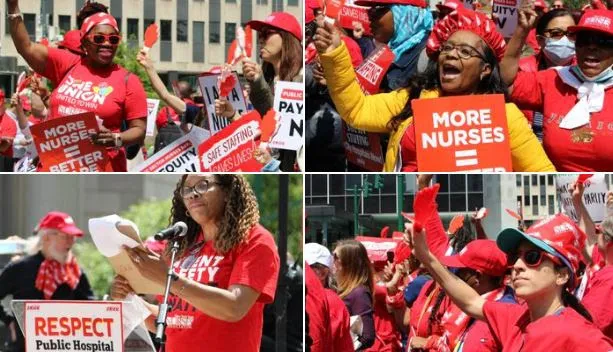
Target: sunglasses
{"points": [[557, 33], [586, 39], [267, 33], [464, 51], [532, 258], [99, 39], [199, 188], [376, 12]]}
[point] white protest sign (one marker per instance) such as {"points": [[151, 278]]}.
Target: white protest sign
{"points": [[594, 195], [289, 103], [179, 156], [208, 86], [504, 13], [73, 326], [152, 111]]}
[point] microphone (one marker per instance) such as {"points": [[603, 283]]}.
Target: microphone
{"points": [[179, 229]]}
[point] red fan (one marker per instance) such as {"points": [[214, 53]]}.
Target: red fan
{"points": [[513, 214], [384, 232], [402, 252], [455, 224], [248, 41], [226, 82], [408, 216], [424, 206], [482, 213], [583, 177], [151, 36], [269, 125]]}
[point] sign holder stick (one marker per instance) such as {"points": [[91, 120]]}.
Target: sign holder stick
{"points": [[160, 322]]}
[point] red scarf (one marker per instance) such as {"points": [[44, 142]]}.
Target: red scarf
{"points": [[52, 274]]}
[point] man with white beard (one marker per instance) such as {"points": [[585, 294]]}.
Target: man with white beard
{"points": [[52, 273]]}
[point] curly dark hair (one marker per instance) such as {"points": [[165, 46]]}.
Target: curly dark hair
{"points": [[88, 9], [429, 80], [241, 213]]}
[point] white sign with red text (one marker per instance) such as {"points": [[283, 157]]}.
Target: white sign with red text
{"points": [[289, 103], [73, 326], [594, 195], [208, 86]]}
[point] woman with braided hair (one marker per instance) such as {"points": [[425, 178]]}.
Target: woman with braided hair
{"points": [[226, 270]]}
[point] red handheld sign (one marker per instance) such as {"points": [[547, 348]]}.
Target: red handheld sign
{"points": [[151, 35]]}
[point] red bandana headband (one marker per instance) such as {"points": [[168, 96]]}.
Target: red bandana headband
{"points": [[96, 19]]}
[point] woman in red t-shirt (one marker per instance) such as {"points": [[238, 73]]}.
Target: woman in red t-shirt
{"points": [[226, 271], [544, 262], [90, 83], [577, 100]]}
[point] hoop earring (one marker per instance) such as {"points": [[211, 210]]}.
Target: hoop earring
{"points": [[187, 214]]}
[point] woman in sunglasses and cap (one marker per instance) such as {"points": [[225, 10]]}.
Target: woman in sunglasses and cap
{"points": [[464, 49], [226, 270], [544, 262], [92, 83], [576, 100]]}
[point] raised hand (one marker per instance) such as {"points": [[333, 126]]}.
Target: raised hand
{"points": [[327, 38], [251, 70], [224, 108], [526, 19]]}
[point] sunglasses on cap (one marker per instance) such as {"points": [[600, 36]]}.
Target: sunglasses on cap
{"points": [[99, 39], [583, 39], [376, 12], [532, 258]]}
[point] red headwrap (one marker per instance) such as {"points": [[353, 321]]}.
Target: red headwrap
{"points": [[466, 20], [96, 19]]}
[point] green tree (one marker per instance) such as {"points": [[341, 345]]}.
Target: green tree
{"points": [[126, 57]]}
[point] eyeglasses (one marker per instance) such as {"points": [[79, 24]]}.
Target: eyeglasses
{"points": [[556, 33], [199, 189], [532, 258], [376, 12], [100, 39], [589, 38], [464, 51]]}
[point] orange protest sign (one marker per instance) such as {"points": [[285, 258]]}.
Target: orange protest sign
{"points": [[462, 133], [63, 144]]}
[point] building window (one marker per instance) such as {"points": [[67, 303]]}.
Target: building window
{"points": [[182, 20], [518, 180], [527, 185], [133, 32], [475, 201], [442, 180], [64, 23], [214, 32], [292, 2], [388, 204], [535, 205], [526, 200], [543, 200], [552, 205], [320, 185], [166, 30], [534, 180], [262, 2], [457, 183], [550, 180], [337, 184], [371, 205], [307, 186], [181, 30], [352, 180], [230, 32], [474, 183], [198, 45], [29, 20]]}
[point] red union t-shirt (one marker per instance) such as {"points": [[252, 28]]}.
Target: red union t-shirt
{"points": [[597, 299], [8, 128], [586, 148], [254, 264], [566, 331], [80, 88]]}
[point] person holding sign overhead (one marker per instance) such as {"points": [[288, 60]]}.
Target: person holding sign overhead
{"points": [[90, 83], [576, 100], [226, 270], [544, 264], [465, 49]]}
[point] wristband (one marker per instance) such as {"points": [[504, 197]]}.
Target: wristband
{"points": [[13, 16]]}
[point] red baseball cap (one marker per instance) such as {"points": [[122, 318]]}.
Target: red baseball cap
{"points": [[595, 20], [450, 5], [57, 220], [371, 3], [557, 235], [540, 4], [280, 20], [480, 255], [72, 42]]}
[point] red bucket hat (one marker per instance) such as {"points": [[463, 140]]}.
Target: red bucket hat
{"points": [[371, 3], [595, 20], [466, 20], [56, 220], [557, 235], [480, 255], [280, 20], [450, 5], [72, 42]]}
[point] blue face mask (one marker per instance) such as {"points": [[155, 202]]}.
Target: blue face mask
{"points": [[560, 52]]}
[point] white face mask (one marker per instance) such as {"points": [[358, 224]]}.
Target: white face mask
{"points": [[560, 52]]}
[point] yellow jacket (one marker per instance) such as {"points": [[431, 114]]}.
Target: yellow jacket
{"points": [[372, 114]]}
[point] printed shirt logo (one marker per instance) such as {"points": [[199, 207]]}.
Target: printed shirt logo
{"points": [[76, 96]]}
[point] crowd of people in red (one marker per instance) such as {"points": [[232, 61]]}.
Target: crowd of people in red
{"points": [[556, 67], [541, 288]]}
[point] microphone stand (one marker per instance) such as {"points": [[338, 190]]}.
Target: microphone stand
{"points": [[160, 322]]}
